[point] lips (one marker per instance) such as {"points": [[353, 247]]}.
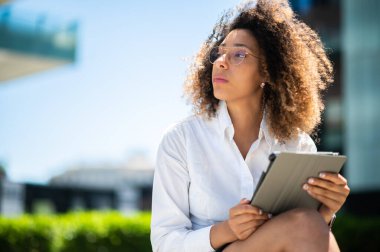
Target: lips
{"points": [[219, 79]]}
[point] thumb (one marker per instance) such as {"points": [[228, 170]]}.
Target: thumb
{"points": [[244, 201]]}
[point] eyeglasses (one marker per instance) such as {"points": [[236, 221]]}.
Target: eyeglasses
{"points": [[234, 55]]}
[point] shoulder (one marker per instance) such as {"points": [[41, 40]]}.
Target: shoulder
{"points": [[181, 129], [176, 138], [307, 143], [301, 142]]}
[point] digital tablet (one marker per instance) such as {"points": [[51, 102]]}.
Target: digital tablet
{"points": [[280, 187]]}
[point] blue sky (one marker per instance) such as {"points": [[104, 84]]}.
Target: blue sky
{"points": [[117, 99]]}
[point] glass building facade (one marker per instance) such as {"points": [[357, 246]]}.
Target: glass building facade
{"points": [[350, 30], [361, 68]]}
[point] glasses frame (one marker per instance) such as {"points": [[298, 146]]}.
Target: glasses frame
{"points": [[227, 50]]}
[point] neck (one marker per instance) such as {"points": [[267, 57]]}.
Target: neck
{"points": [[246, 115]]}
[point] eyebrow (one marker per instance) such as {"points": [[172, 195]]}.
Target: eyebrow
{"points": [[238, 45]]}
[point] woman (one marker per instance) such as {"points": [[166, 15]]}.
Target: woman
{"points": [[256, 88]]}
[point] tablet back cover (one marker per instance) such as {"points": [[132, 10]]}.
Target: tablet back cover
{"points": [[281, 188]]}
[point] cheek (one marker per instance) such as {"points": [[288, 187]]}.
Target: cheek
{"points": [[249, 80]]}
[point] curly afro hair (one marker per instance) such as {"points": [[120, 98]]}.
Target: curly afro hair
{"points": [[294, 62]]}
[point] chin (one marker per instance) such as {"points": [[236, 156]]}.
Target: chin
{"points": [[220, 95]]}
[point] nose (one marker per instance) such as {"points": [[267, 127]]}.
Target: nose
{"points": [[221, 62]]}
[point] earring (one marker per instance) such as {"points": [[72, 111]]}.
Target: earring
{"points": [[262, 85]]}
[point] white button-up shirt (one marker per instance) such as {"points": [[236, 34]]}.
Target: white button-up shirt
{"points": [[200, 174]]}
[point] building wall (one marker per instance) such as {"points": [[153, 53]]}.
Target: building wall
{"points": [[361, 43]]}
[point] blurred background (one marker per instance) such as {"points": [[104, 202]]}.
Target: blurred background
{"points": [[88, 87]]}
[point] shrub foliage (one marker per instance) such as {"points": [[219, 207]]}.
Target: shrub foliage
{"points": [[112, 231], [76, 232]]}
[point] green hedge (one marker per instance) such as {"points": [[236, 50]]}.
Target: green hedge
{"points": [[26, 234], [76, 232], [111, 231]]}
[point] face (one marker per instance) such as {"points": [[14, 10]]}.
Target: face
{"points": [[236, 82]]}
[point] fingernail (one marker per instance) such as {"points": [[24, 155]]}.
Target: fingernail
{"points": [[310, 180], [270, 216], [260, 211], [305, 187], [322, 175]]}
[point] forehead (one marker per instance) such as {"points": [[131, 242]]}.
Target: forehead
{"points": [[241, 37]]}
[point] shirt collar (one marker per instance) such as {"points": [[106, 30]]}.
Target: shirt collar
{"points": [[226, 127]]}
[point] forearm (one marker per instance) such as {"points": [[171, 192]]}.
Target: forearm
{"points": [[221, 234]]}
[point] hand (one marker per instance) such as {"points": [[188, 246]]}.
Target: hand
{"points": [[245, 219], [331, 190]]}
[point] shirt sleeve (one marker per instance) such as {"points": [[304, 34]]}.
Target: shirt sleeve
{"points": [[171, 228]]}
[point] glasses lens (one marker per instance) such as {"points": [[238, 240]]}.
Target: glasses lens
{"points": [[214, 54], [234, 55], [237, 56]]}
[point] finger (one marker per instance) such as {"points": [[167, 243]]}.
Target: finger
{"points": [[251, 224], [341, 189], [260, 222], [251, 229], [245, 218], [262, 217], [245, 208], [333, 205], [335, 178], [339, 197], [244, 201], [238, 229], [345, 190], [244, 235]]}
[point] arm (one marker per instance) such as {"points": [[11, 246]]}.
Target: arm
{"points": [[171, 228]]}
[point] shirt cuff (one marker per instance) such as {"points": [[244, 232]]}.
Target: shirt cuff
{"points": [[199, 240]]}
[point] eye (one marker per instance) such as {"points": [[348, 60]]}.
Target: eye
{"points": [[239, 54]]}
